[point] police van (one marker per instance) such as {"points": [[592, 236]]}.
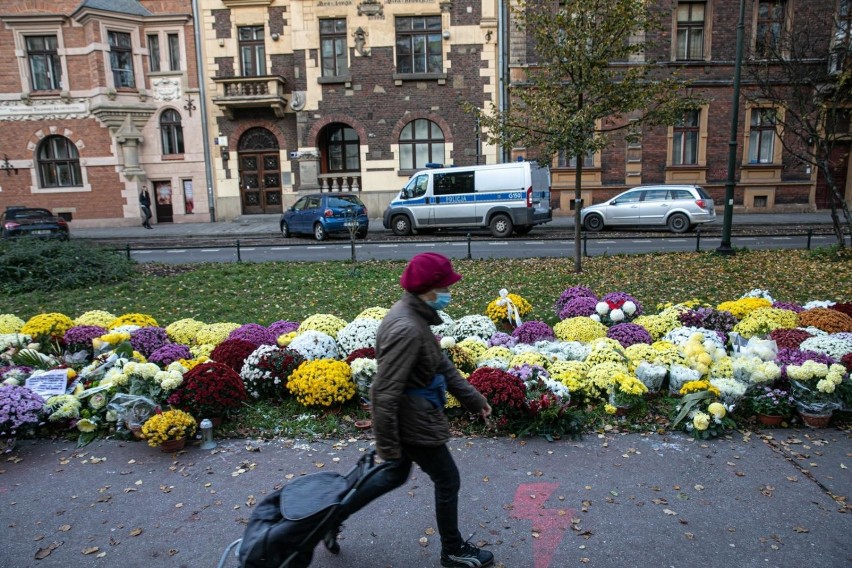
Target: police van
{"points": [[505, 198]]}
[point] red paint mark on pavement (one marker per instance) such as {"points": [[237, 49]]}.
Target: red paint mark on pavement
{"points": [[530, 499]]}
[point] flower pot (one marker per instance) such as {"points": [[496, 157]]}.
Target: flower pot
{"points": [[171, 446], [815, 420], [7, 444], [363, 424], [770, 419], [216, 421], [136, 430], [621, 410]]}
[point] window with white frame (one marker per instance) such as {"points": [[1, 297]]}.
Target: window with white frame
{"points": [[419, 47], [685, 139], [43, 61], [420, 142], [58, 163], [171, 132], [761, 140], [690, 30], [121, 59]]}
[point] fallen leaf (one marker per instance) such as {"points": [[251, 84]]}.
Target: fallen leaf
{"points": [[430, 531], [101, 555], [65, 528], [90, 550], [801, 529], [669, 512], [423, 541], [689, 536], [42, 553], [172, 551], [178, 505], [136, 532], [251, 501]]}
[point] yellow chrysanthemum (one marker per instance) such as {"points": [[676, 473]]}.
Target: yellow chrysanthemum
{"points": [[322, 382], [375, 313], [579, 329], [326, 323], [10, 323], [142, 320], [763, 320], [44, 326], [99, 318], [740, 308], [499, 313], [184, 330]]}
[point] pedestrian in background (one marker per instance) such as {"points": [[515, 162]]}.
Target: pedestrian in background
{"points": [[408, 398], [145, 206]]}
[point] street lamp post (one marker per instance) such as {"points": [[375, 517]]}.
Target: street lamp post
{"points": [[730, 183]]}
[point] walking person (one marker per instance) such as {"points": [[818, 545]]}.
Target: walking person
{"points": [[145, 206], [408, 398]]}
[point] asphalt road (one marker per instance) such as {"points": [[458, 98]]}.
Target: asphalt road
{"points": [[608, 500]]}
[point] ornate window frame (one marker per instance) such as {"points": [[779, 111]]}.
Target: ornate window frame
{"points": [[23, 26]]}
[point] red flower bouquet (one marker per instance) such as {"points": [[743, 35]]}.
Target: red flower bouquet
{"points": [[233, 352], [505, 392], [208, 390], [363, 353]]}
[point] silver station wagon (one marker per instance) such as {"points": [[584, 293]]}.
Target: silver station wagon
{"points": [[677, 207]]}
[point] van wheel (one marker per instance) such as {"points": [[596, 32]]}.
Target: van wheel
{"points": [[523, 230], [319, 232], [593, 223], [401, 226], [501, 226], [678, 223]]}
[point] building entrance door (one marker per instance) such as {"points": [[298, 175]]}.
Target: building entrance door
{"points": [[260, 172], [839, 164], [163, 196]]}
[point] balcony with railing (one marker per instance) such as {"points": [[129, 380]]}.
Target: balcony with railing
{"points": [[265, 91], [339, 182]]}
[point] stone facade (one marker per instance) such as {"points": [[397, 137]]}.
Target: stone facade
{"points": [[114, 129]]}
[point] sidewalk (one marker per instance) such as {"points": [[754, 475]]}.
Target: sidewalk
{"points": [[610, 500], [267, 225]]}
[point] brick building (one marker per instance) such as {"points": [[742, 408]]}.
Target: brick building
{"points": [[699, 41], [98, 99], [341, 94]]}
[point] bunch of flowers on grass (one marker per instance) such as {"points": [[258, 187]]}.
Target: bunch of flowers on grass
{"points": [[508, 308], [139, 320], [376, 313], [617, 307], [740, 308], [254, 333], [764, 349], [846, 360], [753, 370], [324, 382], [62, 407], [184, 330], [474, 345], [48, 327], [681, 375], [818, 304], [628, 334], [703, 416], [19, 407], [657, 325], [532, 331], [598, 381], [528, 358], [472, 326], [814, 386], [15, 375], [79, 337], [169, 353], [570, 294], [365, 353], [787, 357], [505, 392], [788, 306], [315, 345], [172, 424], [763, 320], [267, 370], [363, 371], [202, 349], [718, 320], [214, 333], [100, 318], [190, 364], [325, 323], [442, 329], [845, 307], [233, 353], [282, 327], [563, 350], [146, 340], [572, 374], [769, 401], [579, 329], [208, 390], [578, 307], [360, 333], [501, 353], [625, 391], [836, 345], [826, 319], [789, 338], [502, 339], [463, 359], [548, 410], [682, 335], [147, 379], [606, 350], [731, 391], [722, 368], [10, 323], [651, 375], [286, 339]]}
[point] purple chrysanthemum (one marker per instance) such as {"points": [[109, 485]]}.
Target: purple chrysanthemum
{"points": [[691, 318], [18, 406], [629, 334], [788, 306], [146, 340], [720, 320], [80, 337], [500, 339], [170, 353], [583, 306], [254, 333], [532, 331], [571, 293], [798, 357], [282, 327]]}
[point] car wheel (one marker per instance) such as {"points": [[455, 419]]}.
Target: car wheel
{"points": [[401, 226], [319, 232], [523, 230], [678, 223], [361, 234], [500, 226], [593, 223], [285, 230]]}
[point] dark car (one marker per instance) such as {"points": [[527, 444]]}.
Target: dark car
{"points": [[323, 214], [20, 221]]}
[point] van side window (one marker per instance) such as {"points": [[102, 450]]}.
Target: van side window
{"points": [[416, 187], [453, 183]]}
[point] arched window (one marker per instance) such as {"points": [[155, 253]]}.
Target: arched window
{"points": [[59, 163], [420, 142], [341, 149], [171, 132]]}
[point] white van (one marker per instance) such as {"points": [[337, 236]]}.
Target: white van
{"points": [[508, 197]]}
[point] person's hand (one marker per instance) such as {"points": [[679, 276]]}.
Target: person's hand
{"points": [[485, 412]]}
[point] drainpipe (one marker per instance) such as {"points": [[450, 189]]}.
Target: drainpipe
{"points": [[202, 93]]}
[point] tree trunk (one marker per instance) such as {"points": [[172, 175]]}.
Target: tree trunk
{"points": [[578, 249], [835, 201]]}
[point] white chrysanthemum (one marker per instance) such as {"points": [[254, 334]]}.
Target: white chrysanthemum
{"points": [[473, 326], [360, 333], [315, 345]]}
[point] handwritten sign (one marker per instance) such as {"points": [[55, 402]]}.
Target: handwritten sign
{"points": [[49, 383]]}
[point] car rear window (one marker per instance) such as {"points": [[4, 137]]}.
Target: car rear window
{"points": [[28, 214], [702, 193], [344, 201]]}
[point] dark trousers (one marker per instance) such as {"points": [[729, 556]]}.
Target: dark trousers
{"points": [[438, 464]]}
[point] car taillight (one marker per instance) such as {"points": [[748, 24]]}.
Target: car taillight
{"points": [[529, 196], [328, 213], [9, 225], [701, 203], [61, 222]]}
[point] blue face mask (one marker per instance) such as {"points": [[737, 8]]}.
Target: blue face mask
{"points": [[441, 302]]}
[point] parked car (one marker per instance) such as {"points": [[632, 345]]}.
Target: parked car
{"points": [[677, 207], [20, 221], [323, 214]]}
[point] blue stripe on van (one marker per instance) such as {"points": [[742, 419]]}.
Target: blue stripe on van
{"points": [[484, 197]]}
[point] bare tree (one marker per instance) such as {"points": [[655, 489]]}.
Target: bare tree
{"points": [[804, 73]]}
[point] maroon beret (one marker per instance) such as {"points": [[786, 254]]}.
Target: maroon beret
{"points": [[428, 271]]}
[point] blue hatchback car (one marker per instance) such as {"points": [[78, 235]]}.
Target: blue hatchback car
{"points": [[323, 214]]}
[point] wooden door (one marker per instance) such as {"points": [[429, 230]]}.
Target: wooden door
{"points": [[260, 182], [839, 164]]}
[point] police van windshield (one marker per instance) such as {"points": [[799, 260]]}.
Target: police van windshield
{"points": [[416, 187]]}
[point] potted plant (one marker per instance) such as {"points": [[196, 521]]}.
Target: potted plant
{"points": [[625, 391], [322, 383], [209, 390], [771, 405], [19, 407], [813, 390], [169, 429]]}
